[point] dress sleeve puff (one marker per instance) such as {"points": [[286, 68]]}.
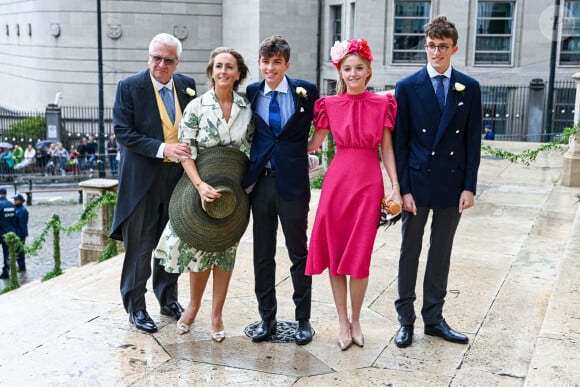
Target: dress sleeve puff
{"points": [[320, 115], [391, 112]]}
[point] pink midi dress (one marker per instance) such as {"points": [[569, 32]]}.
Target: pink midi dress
{"points": [[348, 212]]}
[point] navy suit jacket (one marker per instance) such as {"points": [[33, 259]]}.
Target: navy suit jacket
{"points": [[289, 148], [137, 124], [437, 152]]}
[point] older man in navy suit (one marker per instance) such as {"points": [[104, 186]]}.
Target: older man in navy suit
{"points": [[146, 116], [437, 143], [279, 183]]}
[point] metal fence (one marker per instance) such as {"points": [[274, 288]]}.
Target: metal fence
{"points": [[77, 122], [506, 109]]}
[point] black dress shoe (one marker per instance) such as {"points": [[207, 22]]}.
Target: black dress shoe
{"points": [[264, 330], [172, 310], [304, 333], [443, 330], [404, 336], [142, 321], [4, 275], [21, 269]]}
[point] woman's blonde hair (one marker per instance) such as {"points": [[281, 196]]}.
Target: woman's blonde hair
{"points": [[341, 85]]}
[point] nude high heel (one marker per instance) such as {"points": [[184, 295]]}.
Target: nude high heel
{"points": [[218, 337], [344, 345], [182, 328]]}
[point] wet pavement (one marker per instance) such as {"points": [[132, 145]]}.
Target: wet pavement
{"points": [[513, 289], [44, 206]]}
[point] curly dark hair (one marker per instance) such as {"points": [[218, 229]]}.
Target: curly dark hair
{"points": [[439, 27]]}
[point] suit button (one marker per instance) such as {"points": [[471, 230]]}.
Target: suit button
{"points": [[433, 153], [457, 131], [451, 153], [424, 130], [428, 169]]}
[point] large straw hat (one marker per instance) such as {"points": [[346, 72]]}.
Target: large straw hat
{"points": [[218, 225]]}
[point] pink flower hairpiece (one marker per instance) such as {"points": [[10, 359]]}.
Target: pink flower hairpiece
{"points": [[342, 49]]}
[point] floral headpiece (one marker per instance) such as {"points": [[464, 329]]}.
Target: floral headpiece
{"points": [[342, 49]]}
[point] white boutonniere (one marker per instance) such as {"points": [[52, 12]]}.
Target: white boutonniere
{"points": [[459, 87], [301, 92], [189, 91]]}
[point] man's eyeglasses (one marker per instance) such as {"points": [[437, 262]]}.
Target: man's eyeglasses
{"points": [[168, 61], [432, 48]]}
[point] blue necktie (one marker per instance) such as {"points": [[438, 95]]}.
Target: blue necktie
{"points": [[274, 118], [440, 92], [168, 101], [275, 121]]}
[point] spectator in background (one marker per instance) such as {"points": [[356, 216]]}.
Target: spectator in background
{"points": [[7, 224], [112, 149], [489, 133], [92, 149], [73, 162], [52, 159], [21, 227], [30, 158], [62, 158], [7, 163], [82, 149], [17, 154]]}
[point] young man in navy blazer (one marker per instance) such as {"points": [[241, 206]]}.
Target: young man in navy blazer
{"points": [[279, 184], [437, 147]]}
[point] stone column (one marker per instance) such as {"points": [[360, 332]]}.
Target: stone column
{"points": [[94, 237], [571, 162]]}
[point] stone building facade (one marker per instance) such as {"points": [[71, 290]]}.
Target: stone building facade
{"points": [[50, 47]]}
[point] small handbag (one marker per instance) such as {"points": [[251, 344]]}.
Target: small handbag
{"points": [[390, 213]]}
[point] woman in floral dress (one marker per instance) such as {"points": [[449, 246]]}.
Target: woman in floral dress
{"points": [[220, 117]]}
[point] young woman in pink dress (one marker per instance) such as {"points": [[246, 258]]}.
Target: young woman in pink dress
{"points": [[349, 209]]}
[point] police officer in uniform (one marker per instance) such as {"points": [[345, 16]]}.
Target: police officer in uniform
{"points": [[7, 224]]}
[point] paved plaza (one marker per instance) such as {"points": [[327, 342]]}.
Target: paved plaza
{"points": [[514, 289]]}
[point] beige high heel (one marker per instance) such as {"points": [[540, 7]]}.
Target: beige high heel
{"points": [[218, 337], [182, 328], [359, 340], [344, 345]]}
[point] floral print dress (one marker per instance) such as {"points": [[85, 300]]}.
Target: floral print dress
{"points": [[204, 126]]}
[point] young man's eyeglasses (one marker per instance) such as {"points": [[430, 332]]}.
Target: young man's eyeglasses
{"points": [[442, 48], [168, 61]]}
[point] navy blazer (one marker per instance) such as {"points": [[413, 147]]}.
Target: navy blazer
{"points": [[137, 124], [437, 152], [289, 148]]}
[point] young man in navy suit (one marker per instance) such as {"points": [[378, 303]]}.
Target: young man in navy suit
{"points": [[146, 115], [279, 184], [437, 147]]}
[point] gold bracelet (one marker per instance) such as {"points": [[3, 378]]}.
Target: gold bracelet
{"points": [[198, 183], [394, 184]]}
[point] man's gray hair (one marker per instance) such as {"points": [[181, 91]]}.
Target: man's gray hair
{"points": [[167, 40]]}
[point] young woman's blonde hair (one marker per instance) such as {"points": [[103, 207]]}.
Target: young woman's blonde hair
{"points": [[341, 85]]}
